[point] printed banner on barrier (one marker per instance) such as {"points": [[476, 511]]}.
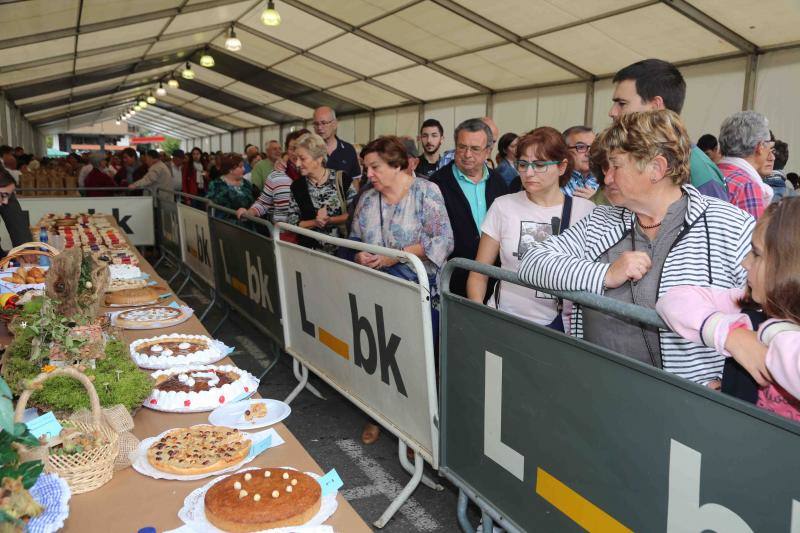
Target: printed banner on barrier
{"points": [[560, 435], [361, 330], [196, 242], [245, 274], [134, 214], [168, 223]]}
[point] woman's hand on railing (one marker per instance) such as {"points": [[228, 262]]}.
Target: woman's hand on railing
{"points": [[242, 211], [374, 260]]}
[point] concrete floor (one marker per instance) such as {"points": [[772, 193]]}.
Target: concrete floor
{"points": [[330, 430]]}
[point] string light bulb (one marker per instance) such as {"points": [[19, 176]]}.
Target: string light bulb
{"points": [[118, 121], [188, 73], [206, 60], [172, 82], [270, 15], [233, 43], [161, 91], [151, 99]]}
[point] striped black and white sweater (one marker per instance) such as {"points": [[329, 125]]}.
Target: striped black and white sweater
{"points": [[708, 253]]}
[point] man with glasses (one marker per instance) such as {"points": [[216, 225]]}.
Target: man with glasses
{"points": [[469, 188], [341, 155], [656, 84], [582, 184], [747, 158]]}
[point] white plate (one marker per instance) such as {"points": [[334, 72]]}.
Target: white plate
{"points": [[193, 512], [232, 414], [139, 462]]}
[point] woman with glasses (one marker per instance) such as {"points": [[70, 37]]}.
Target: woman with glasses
{"points": [[516, 221], [660, 233]]}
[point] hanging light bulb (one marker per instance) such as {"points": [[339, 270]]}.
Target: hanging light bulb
{"points": [[137, 107], [133, 111], [151, 99], [206, 60], [161, 91], [142, 102], [118, 121], [233, 43], [270, 15], [172, 82], [188, 73], [124, 117]]}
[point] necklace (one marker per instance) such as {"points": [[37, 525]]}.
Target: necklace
{"points": [[654, 226]]}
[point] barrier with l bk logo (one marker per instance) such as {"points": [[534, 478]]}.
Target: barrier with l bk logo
{"points": [[244, 271], [368, 334], [551, 433]]}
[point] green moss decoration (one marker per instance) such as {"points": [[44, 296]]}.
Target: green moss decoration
{"points": [[117, 379]]}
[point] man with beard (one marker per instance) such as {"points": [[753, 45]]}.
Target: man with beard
{"points": [[430, 137]]}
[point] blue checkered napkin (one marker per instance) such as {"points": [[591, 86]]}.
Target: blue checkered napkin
{"points": [[53, 494]]}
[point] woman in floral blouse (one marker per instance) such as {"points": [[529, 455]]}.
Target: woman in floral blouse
{"points": [[231, 190], [318, 197], [405, 213], [401, 212]]}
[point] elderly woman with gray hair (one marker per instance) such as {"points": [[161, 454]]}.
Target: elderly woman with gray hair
{"points": [[97, 177], [659, 233], [747, 157], [319, 196]]}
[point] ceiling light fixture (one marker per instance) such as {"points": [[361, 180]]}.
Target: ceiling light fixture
{"points": [[118, 121], [270, 15], [188, 73], [172, 82], [142, 102], [161, 91], [206, 60], [137, 107], [233, 43], [133, 111], [150, 98]]}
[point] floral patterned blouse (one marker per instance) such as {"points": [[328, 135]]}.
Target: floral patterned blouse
{"points": [[420, 217], [230, 196], [323, 196]]}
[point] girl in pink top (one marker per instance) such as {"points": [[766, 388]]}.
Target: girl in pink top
{"points": [[714, 317]]}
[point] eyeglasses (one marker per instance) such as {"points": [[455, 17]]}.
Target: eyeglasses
{"points": [[473, 149], [537, 166], [769, 145], [581, 148], [322, 123]]}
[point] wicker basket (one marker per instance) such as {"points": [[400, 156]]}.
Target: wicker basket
{"points": [[83, 471], [29, 248]]}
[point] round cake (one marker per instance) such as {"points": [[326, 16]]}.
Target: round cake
{"points": [[167, 351], [198, 450], [199, 388], [150, 317], [260, 499]]}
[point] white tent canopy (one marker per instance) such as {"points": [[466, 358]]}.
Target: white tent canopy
{"points": [[71, 63]]}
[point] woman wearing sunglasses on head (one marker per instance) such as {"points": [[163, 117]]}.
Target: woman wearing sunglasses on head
{"points": [[516, 221]]}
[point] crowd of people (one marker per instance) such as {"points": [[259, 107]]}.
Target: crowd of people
{"points": [[706, 232]]}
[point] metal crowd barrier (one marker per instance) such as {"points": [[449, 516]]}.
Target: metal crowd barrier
{"points": [[368, 335], [547, 432]]}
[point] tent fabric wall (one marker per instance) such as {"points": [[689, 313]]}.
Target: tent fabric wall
{"points": [[777, 83]]}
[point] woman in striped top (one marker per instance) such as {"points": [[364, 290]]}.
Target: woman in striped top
{"points": [[273, 202], [659, 233]]}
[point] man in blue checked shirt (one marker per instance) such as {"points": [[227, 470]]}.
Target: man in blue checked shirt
{"points": [[579, 139]]}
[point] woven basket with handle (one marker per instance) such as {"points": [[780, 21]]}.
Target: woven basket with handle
{"points": [[29, 248], [84, 471]]}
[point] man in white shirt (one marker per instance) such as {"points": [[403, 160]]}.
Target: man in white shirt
{"points": [[176, 167]]}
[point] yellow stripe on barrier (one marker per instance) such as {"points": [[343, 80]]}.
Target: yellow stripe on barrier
{"points": [[576, 507], [334, 343]]}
